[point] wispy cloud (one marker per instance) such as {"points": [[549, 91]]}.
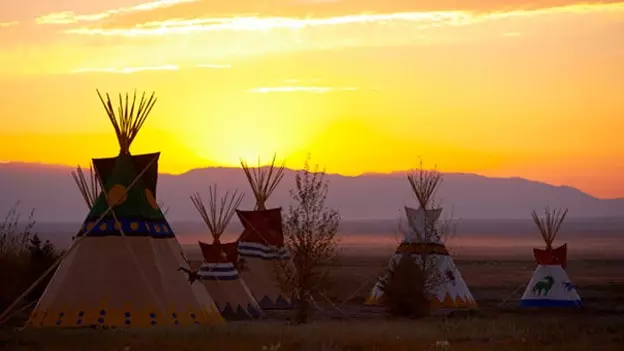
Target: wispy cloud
{"points": [[8, 24], [213, 66], [306, 89], [176, 26], [127, 70], [69, 17], [423, 19]]}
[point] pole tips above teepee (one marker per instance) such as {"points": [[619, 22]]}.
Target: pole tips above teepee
{"points": [[220, 210], [424, 184], [550, 224], [89, 188], [263, 180], [128, 117]]}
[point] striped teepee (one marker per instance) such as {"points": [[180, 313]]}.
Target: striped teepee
{"points": [[122, 269], [219, 272], [261, 244], [550, 286], [423, 242]]}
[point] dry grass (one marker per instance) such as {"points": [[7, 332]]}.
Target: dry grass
{"points": [[502, 332], [598, 326]]}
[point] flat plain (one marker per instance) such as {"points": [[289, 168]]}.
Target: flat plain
{"points": [[497, 278]]}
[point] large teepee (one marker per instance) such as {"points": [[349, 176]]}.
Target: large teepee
{"points": [[550, 286], [261, 245], [122, 269], [218, 272], [423, 241]]}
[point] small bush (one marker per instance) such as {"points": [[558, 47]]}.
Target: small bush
{"points": [[23, 258], [405, 289]]}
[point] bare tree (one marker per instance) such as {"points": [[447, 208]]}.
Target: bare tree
{"points": [[310, 229]]}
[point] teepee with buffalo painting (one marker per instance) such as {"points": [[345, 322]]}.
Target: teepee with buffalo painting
{"points": [[219, 273], [423, 242], [122, 269], [261, 244], [550, 286]]}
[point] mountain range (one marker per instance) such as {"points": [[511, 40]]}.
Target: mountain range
{"points": [[51, 191]]}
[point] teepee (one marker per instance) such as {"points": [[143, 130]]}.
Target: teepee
{"points": [[422, 240], [550, 286], [261, 244], [218, 272], [122, 269]]}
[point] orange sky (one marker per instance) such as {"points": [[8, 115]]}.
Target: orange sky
{"points": [[500, 88]]}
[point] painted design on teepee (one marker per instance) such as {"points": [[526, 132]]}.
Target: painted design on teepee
{"points": [[261, 244], [219, 271], [543, 286], [107, 278], [424, 243], [550, 286]]}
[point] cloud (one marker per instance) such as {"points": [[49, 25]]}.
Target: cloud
{"points": [[294, 89], [421, 20], [127, 70], [69, 17], [8, 24]]}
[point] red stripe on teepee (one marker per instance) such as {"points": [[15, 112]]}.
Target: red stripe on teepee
{"points": [[558, 256]]}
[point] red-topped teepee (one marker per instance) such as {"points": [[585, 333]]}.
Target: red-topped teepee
{"points": [[261, 244], [550, 285], [218, 272]]}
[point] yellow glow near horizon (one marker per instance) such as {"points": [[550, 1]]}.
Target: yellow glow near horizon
{"points": [[500, 88]]}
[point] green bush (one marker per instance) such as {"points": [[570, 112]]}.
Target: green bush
{"points": [[405, 289]]}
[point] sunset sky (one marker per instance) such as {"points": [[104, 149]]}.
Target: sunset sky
{"points": [[533, 89]]}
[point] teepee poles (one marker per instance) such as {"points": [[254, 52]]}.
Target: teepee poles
{"points": [[424, 184], [263, 181], [89, 189], [219, 212], [550, 224], [129, 117]]}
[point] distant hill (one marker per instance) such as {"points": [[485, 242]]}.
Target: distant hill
{"points": [[50, 189]]}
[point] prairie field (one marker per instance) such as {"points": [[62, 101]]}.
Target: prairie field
{"points": [[342, 322]]}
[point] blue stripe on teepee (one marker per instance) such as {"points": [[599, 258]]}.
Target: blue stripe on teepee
{"points": [[246, 249], [549, 303], [129, 226], [218, 277]]}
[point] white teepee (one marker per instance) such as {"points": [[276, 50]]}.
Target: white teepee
{"points": [[550, 286], [423, 242], [261, 244], [218, 272]]}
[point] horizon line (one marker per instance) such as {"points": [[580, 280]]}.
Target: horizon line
{"points": [[397, 172]]}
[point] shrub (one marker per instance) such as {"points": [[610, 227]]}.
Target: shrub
{"points": [[23, 258], [405, 288]]}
